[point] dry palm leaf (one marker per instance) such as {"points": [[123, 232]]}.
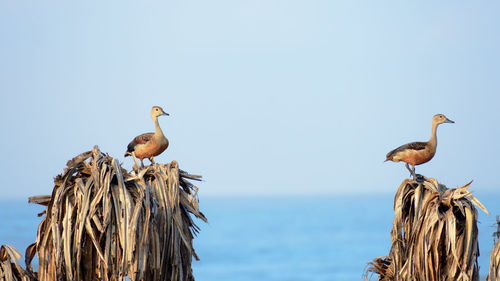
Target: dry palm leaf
{"points": [[434, 234], [103, 223], [10, 270], [494, 272]]}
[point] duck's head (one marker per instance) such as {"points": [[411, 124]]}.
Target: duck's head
{"points": [[157, 111], [440, 119]]}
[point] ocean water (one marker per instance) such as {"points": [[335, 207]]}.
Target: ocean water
{"points": [[278, 238]]}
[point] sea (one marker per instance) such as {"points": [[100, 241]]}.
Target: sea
{"points": [[285, 238]]}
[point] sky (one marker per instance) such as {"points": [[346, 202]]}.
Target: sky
{"points": [[265, 96]]}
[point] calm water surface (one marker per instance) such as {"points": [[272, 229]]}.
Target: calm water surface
{"points": [[277, 238]]}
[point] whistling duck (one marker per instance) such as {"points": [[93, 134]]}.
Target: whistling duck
{"points": [[416, 153], [149, 145]]}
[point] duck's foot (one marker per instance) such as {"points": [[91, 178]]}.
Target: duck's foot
{"points": [[419, 178]]}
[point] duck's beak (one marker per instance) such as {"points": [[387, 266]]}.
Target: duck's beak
{"points": [[448, 121], [164, 113]]}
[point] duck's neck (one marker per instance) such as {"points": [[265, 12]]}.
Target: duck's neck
{"points": [[433, 140], [158, 131]]}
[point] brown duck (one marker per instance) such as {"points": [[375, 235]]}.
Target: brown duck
{"points": [[416, 153], [149, 145]]}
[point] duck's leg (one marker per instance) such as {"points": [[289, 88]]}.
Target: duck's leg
{"points": [[412, 170], [135, 160], [408, 167], [142, 164], [152, 161]]}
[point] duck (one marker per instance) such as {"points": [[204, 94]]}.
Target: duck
{"points": [[149, 145], [416, 153]]}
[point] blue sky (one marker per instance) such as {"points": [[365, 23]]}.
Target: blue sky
{"points": [[279, 97]]}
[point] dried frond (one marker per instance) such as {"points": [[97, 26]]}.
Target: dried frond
{"points": [[494, 272], [434, 234], [10, 270], [383, 266], [103, 223]]}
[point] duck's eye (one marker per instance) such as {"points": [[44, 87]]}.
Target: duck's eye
{"points": [[157, 109]]}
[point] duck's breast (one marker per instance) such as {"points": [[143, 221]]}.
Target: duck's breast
{"points": [[162, 145]]}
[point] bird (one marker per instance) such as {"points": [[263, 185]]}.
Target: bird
{"points": [[149, 145], [416, 153]]}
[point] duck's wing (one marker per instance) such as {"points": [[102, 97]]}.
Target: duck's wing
{"points": [[418, 145], [141, 139]]}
